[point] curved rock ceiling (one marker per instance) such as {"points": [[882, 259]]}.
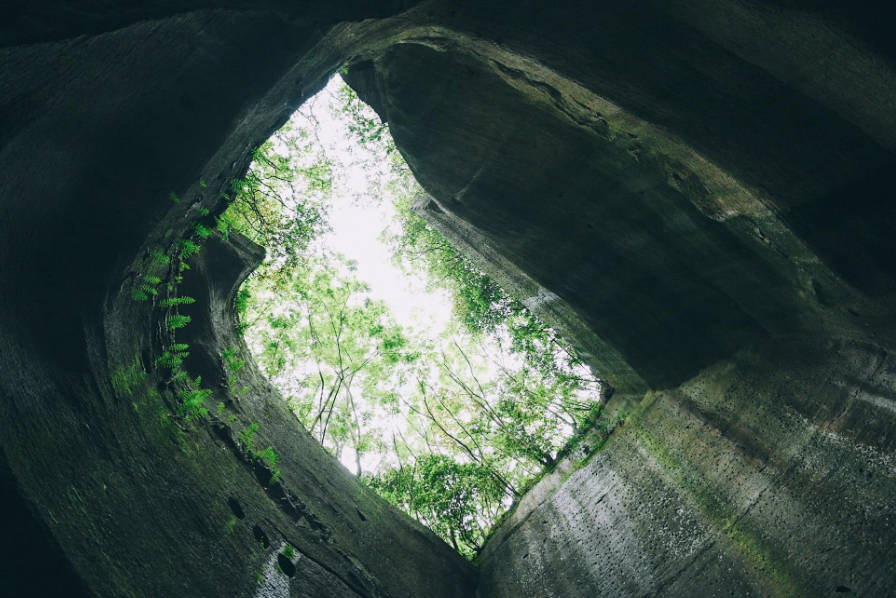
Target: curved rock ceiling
{"points": [[696, 193]]}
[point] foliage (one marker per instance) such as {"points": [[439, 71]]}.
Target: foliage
{"points": [[242, 300], [172, 358], [231, 361], [190, 396], [233, 365], [172, 301], [128, 378], [176, 321], [159, 258], [456, 500], [480, 302], [248, 435], [279, 203], [450, 428], [366, 128], [270, 458], [188, 248], [348, 342], [146, 288], [193, 398], [143, 292], [202, 231]]}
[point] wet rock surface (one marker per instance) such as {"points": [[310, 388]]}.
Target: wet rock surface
{"points": [[698, 193]]}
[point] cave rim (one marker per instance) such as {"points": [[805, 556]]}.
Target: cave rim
{"points": [[597, 389]]}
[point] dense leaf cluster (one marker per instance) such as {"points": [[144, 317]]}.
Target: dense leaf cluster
{"points": [[458, 501], [449, 428]]}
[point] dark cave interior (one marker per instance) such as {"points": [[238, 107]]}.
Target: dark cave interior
{"points": [[701, 189]]}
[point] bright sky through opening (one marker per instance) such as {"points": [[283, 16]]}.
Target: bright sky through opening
{"points": [[409, 365], [502, 395], [358, 217]]}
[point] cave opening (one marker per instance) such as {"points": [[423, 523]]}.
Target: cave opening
{"points": [[397, 351], [693, 193]]}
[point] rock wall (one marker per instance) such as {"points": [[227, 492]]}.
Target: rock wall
{"points": [[127, 498], [702, 189], [612, 193], [751, 479], [713, 213]]}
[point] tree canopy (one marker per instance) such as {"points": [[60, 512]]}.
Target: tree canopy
{"points": [[450, 427]]}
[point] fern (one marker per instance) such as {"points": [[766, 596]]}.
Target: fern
{"points": [[223, 227], [171, 359], [160, 258], [172, 301], [180, 375], [202, 230], [176, 321], [236, 365], [270, 458], [248, 435], [231, 362], [192, 400], [188, 248], [143, 291]]}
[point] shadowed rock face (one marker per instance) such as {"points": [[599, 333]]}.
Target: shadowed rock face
{"points": [[696, 193], [673, 211]]}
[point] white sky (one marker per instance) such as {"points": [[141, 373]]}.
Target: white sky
{"points": [[357, 219], [358, 213]]}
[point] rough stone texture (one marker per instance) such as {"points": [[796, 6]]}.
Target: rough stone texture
{"points": [[97, 131], [641, 233], [701, 189], [736, 483]]}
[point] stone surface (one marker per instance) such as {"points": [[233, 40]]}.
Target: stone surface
{"points": [[97, 131], [698, 193], [641, 233], [736, 483]]}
